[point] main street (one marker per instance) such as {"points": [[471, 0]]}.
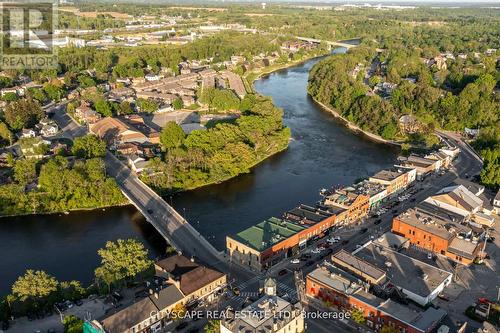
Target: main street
{"points": [[249, 283], [466, 165]]}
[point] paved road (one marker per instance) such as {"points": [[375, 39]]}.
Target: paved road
{"points": [[170, 224]]}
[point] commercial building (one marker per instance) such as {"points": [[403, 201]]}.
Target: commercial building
{"points": [[270, 314], [148, 314], [424, 166], [439, 231], [457, 199], [406, 277], [265, 244], [114, 131], [349, 206], [193, 280], [334, 286], [395, 179]]}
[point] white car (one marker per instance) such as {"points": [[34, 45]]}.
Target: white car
{"points": [[316, 251], [332, 240], [295, 261]]}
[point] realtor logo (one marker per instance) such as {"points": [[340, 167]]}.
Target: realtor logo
{"points": [[27, 34]]}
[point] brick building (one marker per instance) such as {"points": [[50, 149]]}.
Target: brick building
{"points": [[265, 244], [336, 287], [438, 231]]}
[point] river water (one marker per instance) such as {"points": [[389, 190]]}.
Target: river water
{"points": [[322, 153]]}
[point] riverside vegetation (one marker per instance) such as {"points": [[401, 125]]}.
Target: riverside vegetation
{"points": [[223, 151], [453, 97]]}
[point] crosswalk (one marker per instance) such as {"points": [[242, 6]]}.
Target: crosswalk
{"points": [[238, 300]]}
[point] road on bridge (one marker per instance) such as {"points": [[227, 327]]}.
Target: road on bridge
{"points": [[170, 224]]}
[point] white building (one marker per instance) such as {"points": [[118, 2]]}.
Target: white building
{"points": [[264, 315]]}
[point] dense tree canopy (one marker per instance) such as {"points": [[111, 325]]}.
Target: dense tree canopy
{"points": [[89, 146], [122, 260]]}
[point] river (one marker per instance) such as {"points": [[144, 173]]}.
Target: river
{"points": [[322, 153]]}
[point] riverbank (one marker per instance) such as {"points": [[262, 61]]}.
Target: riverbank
{"points": [[68, 212], [253, 76], [354, 127]]}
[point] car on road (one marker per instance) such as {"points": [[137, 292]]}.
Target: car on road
{"points": [[181, 326], [378, 221], [282, 272], [316, 251], [345, 241], [295, 261], [236, 291], [150, 211], [362, 231], [310, 263], [305, 256], [333, 240]]}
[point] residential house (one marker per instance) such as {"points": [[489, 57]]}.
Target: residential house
{"points": [[496, 203], [49, 129], [27, 133], [86, 115], [409, 124]]}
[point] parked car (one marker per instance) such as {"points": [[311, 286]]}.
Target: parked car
{"points": [[181, 326], [310, 263], [295, 261], [316, 251], [378, 221], [282, 272]]}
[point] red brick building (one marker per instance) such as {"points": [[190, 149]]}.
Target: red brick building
{"points": [[335, 287]]}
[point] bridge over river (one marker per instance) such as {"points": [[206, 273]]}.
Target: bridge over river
{"points": [[318, 41], [169, 223]]}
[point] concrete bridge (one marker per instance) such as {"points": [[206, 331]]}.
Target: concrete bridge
{"points": [[318, 41], [169, 223]]}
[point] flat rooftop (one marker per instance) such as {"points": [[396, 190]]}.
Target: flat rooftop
{"points": [[347, 259], [403, 271], [267, 233], [427, 223], [305, 214], [387, 175], [336, 279]]}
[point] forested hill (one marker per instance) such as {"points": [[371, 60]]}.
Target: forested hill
{"points": [[448, 90]]}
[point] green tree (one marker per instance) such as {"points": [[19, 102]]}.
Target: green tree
{"points": [[213, 326], [34, 285], [89, 146], [172, 135], [103, 107], [177, 104], [358, 316], [73, 324], [23, 113], [122, 260], [10, 97], [388, 329], [25, 171], [5, 133], [146, 105], [178, 312]]}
